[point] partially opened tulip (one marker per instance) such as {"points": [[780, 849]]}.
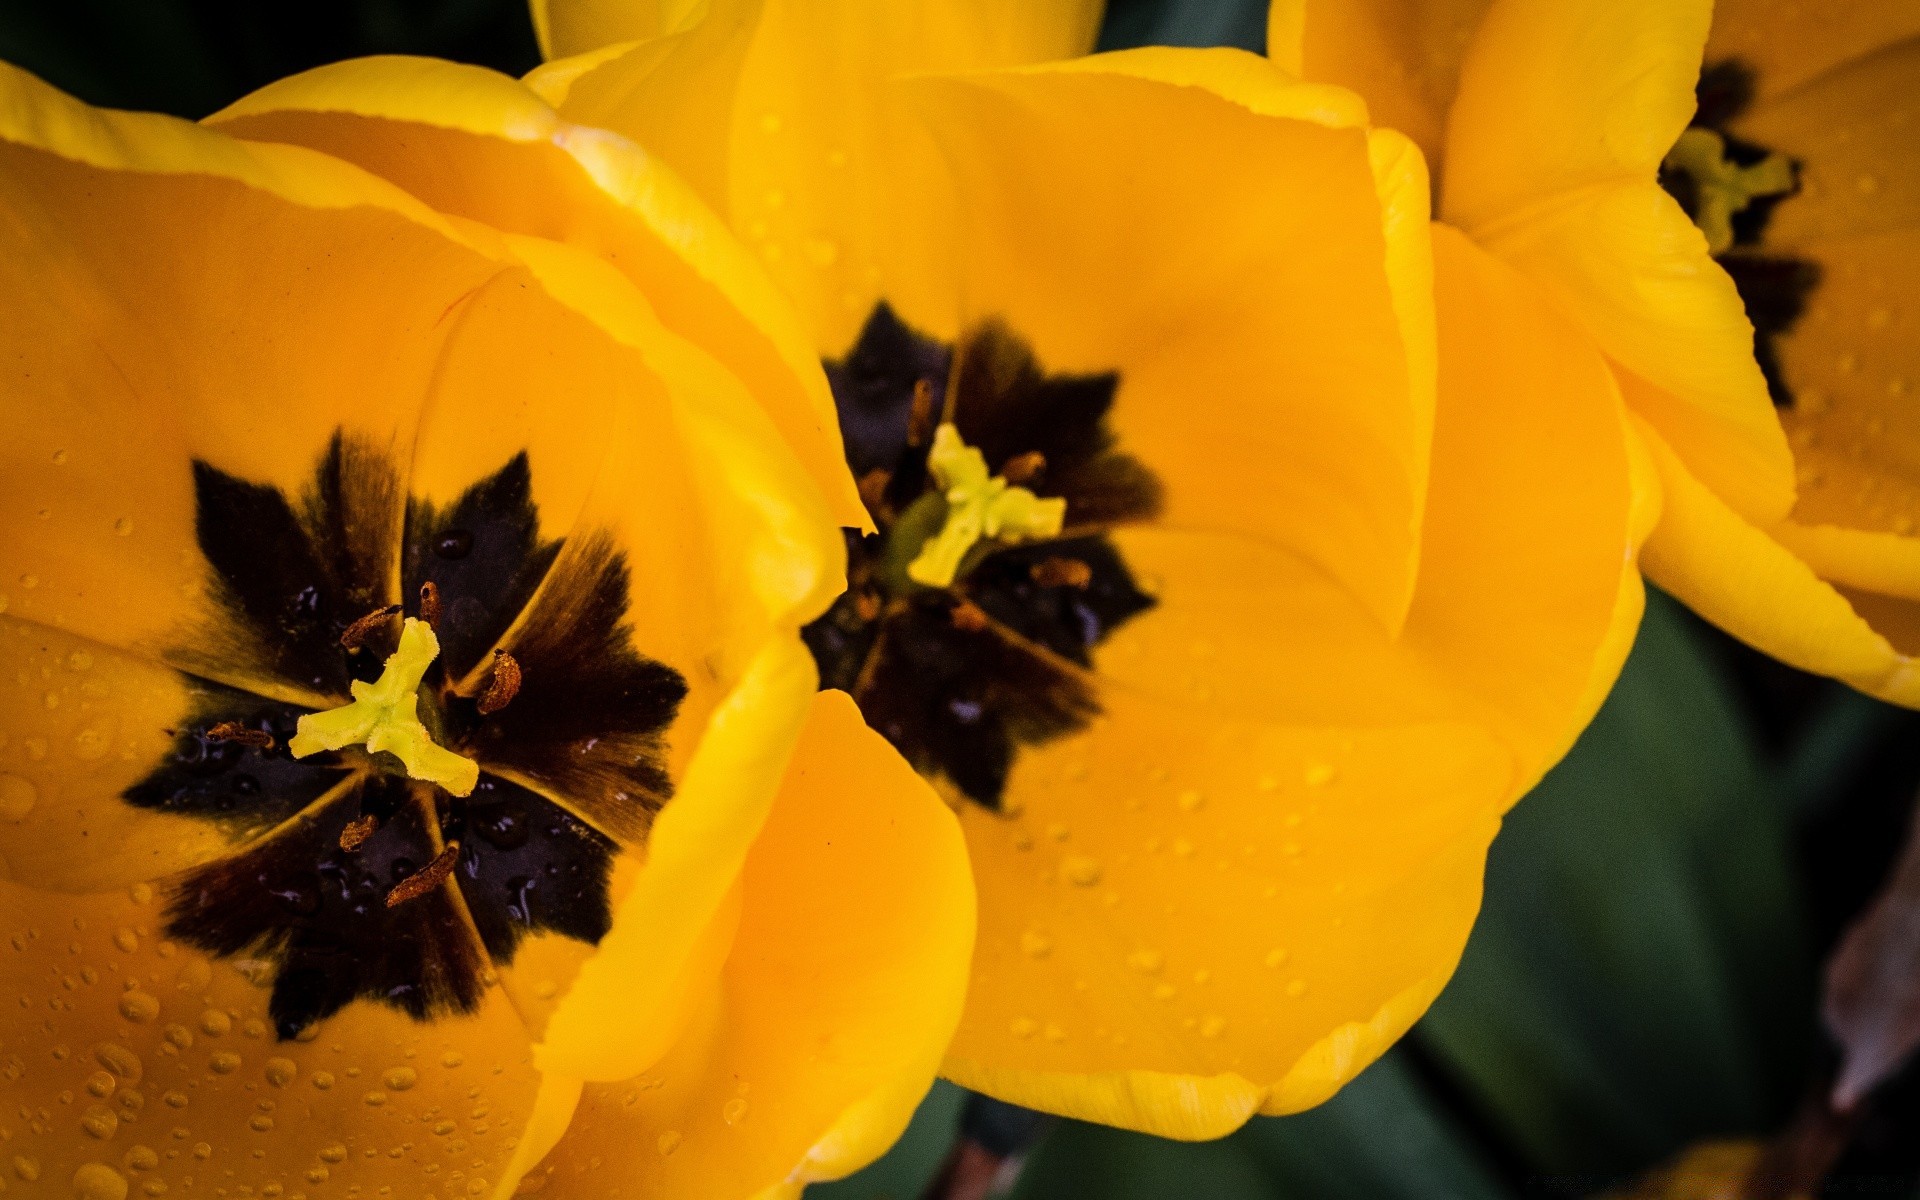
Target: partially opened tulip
{"points": [[408, 746], [1736, 254], [1226, 579]]}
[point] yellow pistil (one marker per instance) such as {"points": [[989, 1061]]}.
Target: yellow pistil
{"points": [[385, 715], [978, 505], [1722, 186]]}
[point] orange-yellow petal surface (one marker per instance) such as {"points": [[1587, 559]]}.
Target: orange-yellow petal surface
{"points": [[842, 986], [479, 145], [1206, 250], [1750, 585], [1788, 42], [1192, 919], [160, 1066], [800, 142]]}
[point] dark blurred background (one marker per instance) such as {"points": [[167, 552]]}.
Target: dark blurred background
{"points": [[1646, 974]]}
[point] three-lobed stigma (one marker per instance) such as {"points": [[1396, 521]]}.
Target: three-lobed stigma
{"points": [[979, 505]]}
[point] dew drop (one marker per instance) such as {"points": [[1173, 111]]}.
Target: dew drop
{"points": [[175, 1099], [140, 1158], [98, 1181], [26, 1167], [1319, 774], [100, 1084], [734, 1112], [126, 939], [1035, 944], [323, 1080], [1297, 988], [213, 1022], [224, 1063], [1024, 1027], [17, 798], [179, 1036], [1164, 992], [1080, 870], [281, 1071], [59, 458], [260, 1123], [318, 1175], [1276, 957], [451, 1059], [124, 1063], [375, 1099], [454, 544], [202, 1151], [334, 1153], [400, 1079], [123, 526], [141, 893], [1147, 962], [139, 1007], [1213, 1026], [669, 1141], [1191, 801]]}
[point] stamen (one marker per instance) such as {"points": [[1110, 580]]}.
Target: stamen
{"points": [[356, 634], [978, 506], [1062, 572], [358, 831], [866, 605], [1723, 187], [505, 685], [385, 716], [920, 416], [1023, 469], [234, 731], [421, 882], [873, 489], [430, 604], [968, 616]]}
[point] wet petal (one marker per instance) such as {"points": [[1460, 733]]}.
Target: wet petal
{"points": [[1192, 919], [842, 986], [1402, 56], [1262, 279], [140, 1054], [1627, 265], [1739, 578], [1787, 43], [1560, 96], [480, 145]]}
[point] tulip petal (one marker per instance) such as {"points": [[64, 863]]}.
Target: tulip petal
{"points": [[1787, 43], [782, 119], [1854, 147], [843, 983], [1561, 95], [161, 1065], [1178, 234], [1402, 56], [1186, 920], [1625, 263], [479, 145], [1742, 580]]}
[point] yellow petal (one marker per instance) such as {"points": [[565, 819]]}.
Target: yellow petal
{"points": [[1625, 263], [1202, 249], [1751, 586], [160, 1065], [1189, 920], [1875, 562], [782, 117], [1402, 56], [479, 145], [1557, 97], [1845, 130], [1788, 43], [842, 987], [575, 26]]}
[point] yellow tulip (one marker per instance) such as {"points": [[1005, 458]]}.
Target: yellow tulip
{"points": [[1331, 586], [407, 747], [1766, 354]]}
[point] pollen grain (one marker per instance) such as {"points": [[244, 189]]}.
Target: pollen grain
{"points": [[425, 880], [356, 634], [505, 684], [234, 731]]}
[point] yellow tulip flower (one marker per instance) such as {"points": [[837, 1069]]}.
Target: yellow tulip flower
{"points": [[1765, 353], [1220, 564], [407, 747]]}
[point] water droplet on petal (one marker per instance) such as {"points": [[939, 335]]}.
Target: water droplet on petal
{"points": [[669, 1141], [98, 1181], [124, 526], [1024, 1027], [139, 1007], [17, 798], [1080, 870], [400, 1079], [734, 1112], [281, 1071], [1035, 944]]}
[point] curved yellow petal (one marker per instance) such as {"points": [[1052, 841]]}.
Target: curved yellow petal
{"points": [[1625, 263], [1403, 56], [1185, 920], [1739, 578], [575, 26], [783, 118], [843, 984], [1845, 129], [1176, 235], [479, 145], [1887, 563], [1561, 95], [160, 1066], [1787, 43]]}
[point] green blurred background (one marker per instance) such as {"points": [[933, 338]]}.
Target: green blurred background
{"points": [[1645, 973]]}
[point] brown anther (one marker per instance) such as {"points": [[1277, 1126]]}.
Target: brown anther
{"points": [[234, 731], [968, 616], [921, 416], [1061, 572], [425, 880], [355, 634], [866, 605], [873, 489], [358, 831], [430, 604], [1023, 469], [505, 684]]}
